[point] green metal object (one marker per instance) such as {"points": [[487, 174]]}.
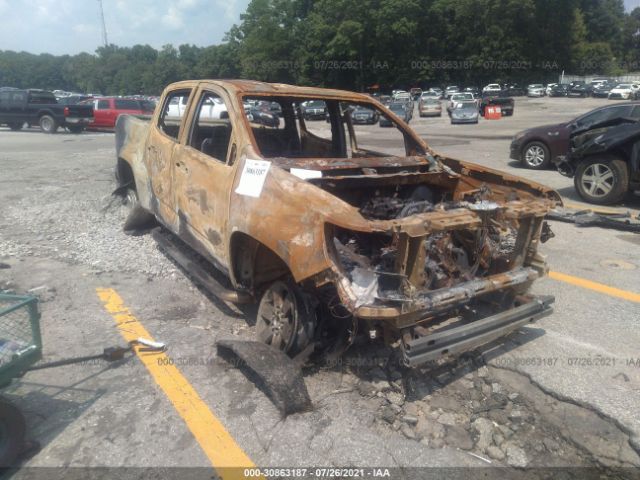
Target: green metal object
{"points": [[20, 339]]}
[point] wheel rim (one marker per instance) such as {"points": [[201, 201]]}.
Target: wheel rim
{"points": [[534, 155], [46, 123], [597, 180], [277, 315]]}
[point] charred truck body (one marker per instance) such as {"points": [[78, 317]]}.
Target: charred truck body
{"points": [[335, 231]]}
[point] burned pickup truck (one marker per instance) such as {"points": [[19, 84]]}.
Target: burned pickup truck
{"points": [[332, 229]]}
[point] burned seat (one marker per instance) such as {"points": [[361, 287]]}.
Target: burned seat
{"points": [[217, 144]]}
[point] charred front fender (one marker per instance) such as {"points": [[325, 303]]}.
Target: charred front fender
{"points": [[289, 217]]}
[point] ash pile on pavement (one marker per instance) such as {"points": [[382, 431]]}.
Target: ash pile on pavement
{"points": [[490, 412]]}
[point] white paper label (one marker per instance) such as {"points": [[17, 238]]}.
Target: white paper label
{"points": [[253, 176], [305, 174]]}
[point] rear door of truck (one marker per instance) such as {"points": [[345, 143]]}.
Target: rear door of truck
{"points": [[164, 136], [102, 109]]}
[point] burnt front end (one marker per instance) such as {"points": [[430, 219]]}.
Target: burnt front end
{"points": [[443, 277]]}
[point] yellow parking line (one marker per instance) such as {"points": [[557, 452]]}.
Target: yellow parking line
{"points": [[217, 444], [597, 287]]}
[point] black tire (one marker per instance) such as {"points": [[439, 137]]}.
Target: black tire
{"points": [[286, 319], [75, 129], [602, 180], [535, 155], [15, 126], [12, 432], [48, 124]]}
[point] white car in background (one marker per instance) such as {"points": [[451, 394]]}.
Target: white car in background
{"points": [[492, 88], [458, 98], [438, 91], [536, 90], [213, 108], [450, 90], [624, 91]]}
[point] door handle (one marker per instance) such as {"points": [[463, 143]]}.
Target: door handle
{"points": [[181, 165]]}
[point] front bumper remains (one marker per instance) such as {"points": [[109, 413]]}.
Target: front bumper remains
{"points": [[456, 340]]}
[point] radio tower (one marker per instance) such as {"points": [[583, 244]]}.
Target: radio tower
{"points": [[104, 26]]}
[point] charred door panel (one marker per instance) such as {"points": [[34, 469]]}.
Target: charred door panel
{"points": [[160, 155]]}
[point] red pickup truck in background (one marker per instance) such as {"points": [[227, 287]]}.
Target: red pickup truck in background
{"points": [[106, 110]]}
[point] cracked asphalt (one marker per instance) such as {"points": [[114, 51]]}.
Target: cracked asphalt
{"points": [[561, 393]]}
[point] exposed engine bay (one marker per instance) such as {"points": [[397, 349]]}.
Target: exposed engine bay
{"points": [[447, 258]]}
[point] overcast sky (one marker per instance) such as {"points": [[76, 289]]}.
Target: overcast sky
{"points": [[72, 26]]}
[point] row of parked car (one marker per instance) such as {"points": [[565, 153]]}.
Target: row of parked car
{"points": [[42, 108], [464, 106], [597, 88]]}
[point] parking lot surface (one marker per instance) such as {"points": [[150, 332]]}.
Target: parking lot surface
{"points": [[562, 392]]}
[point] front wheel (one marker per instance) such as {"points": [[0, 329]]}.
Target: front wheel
{"points": [[535, 155], [286, 320], [48, 124], [602, 181], [12, 431]]}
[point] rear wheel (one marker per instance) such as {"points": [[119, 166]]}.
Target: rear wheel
{"points": [[12, 431], [286, 320], [15, 126], [137, 220], [75, 129], [535, 155], [48, 124], [602, 181]]}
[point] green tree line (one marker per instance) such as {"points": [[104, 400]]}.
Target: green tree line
{"points": [[359, 44]]}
